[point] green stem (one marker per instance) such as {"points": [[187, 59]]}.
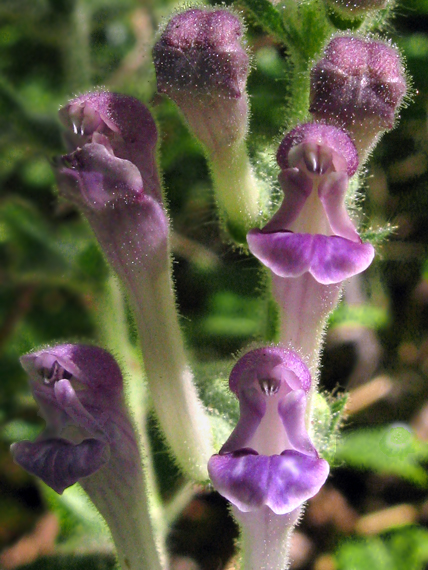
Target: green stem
{"points": [[237, 189], [76, 47]]}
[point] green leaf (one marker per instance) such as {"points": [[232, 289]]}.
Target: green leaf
{"points": [[403, 549], [389, 450], [327, 419], [268, 17], [366, 315]]}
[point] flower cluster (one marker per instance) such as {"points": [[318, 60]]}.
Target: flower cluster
{"points": [[269, 466]]}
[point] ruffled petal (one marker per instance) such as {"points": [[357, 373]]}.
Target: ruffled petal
{"points": [[281, 482], [330, 259], [60, 463]]}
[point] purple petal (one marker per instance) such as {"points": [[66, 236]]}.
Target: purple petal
{"points": [[70, 403], [281, 482], [321, 135], [60, 463], [331, 192], [100, 177], [330, 259], [252, 407], [92, 366], [292, 410], [297, 187]]}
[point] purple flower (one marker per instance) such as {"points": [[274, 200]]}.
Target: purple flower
{"points": [[111, 175], [89, 439], [312, 231], [359, 85], [269, 459], [79, 392]]}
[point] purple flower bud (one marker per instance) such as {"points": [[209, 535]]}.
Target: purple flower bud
{"points": [[269, 459], [202, 66], [312, 231], [200, 51], [359, 85], [89, 439]]}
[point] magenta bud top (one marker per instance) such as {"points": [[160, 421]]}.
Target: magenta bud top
{"points": [[358, 79], [321, 147], [200, 51]]}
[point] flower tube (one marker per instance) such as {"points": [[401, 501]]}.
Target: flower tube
{"points": [[89, 439], [311, 244], [268, 467], [111, 175]]}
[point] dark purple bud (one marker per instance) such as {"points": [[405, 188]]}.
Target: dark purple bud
{"points": [[201, 64], [199, 52], [359, 85], [269, 459]]}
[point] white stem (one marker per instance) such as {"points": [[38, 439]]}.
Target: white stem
{"points": [[265, 538], [236, 187], [174, 395], [119, 491], [304, 306], [114, 333], [136, 244], [220, 124]]}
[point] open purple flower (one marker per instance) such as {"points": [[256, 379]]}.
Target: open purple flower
{"points": [[79, 391], [312, 231], [269, 459], [89, 439], [111, 175]]}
